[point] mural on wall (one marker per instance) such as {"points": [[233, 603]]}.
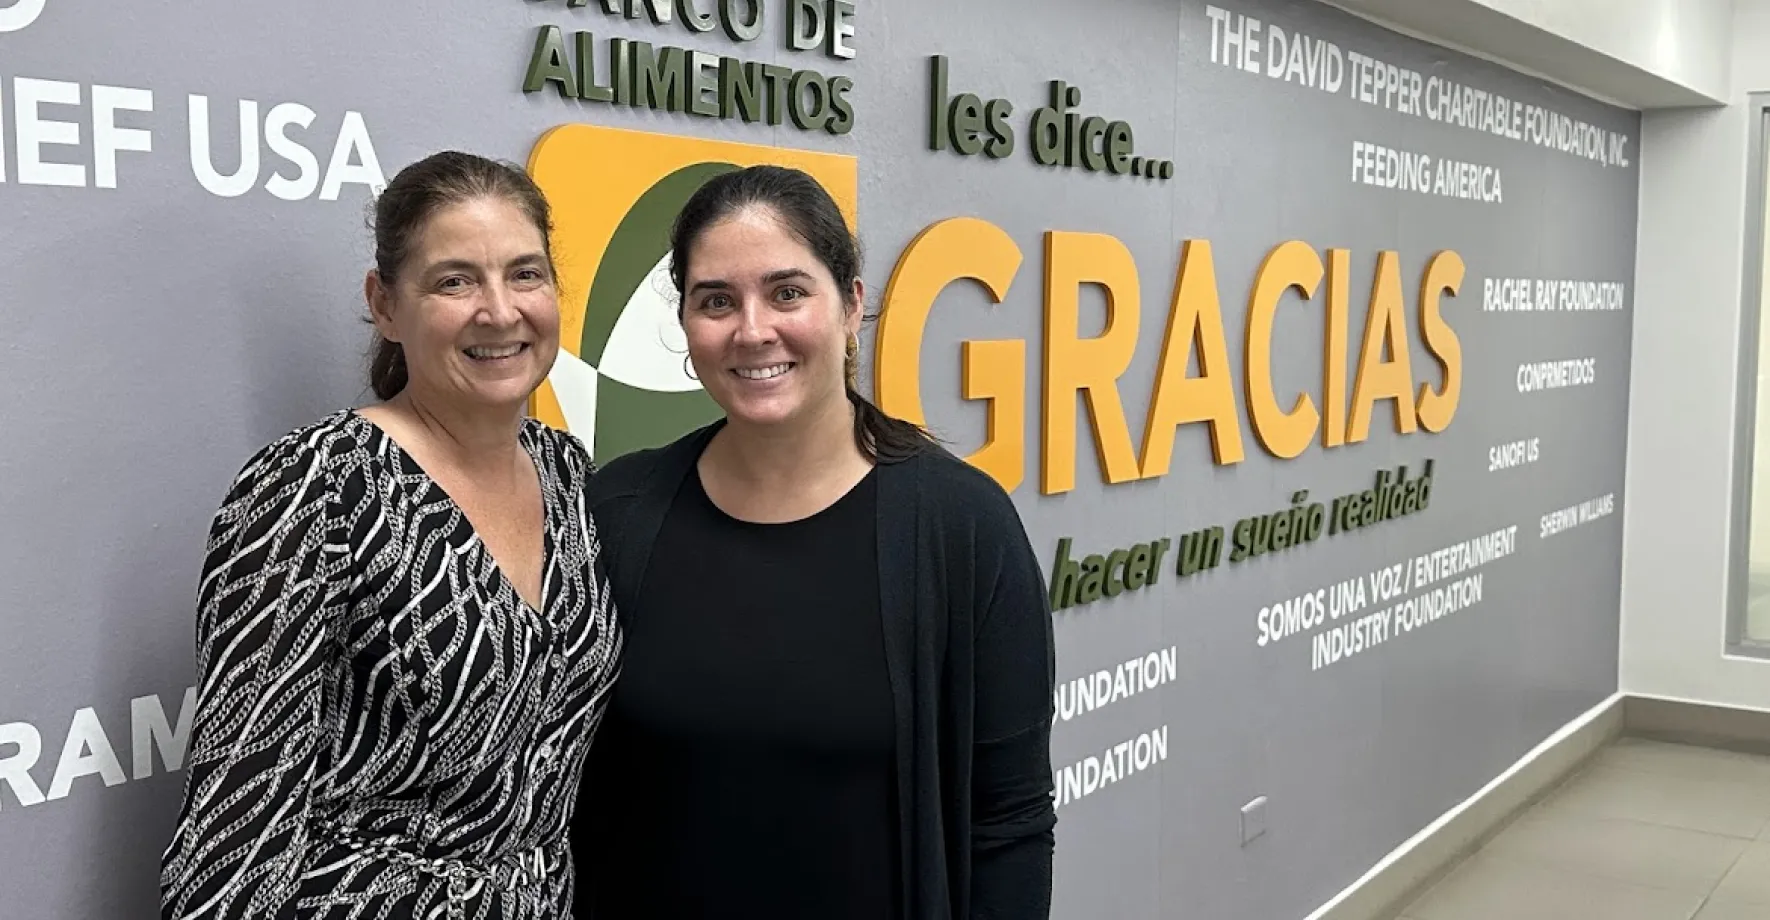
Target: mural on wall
{"points": [[622, 381], [1302, 347]]}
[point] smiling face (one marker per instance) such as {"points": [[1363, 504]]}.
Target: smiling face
{"points": [[767, 324], [473, 306]]}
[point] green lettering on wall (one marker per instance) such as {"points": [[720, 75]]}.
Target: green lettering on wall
{"points": [[660, 77], [1093, 579], [588, 88], [1155, 559], [660, 10], [703, 92], [808, 115], [1047, 127], [1077, 583], [967, 116], [1115, 583], [1066, 577], [702, 21], [620, 70], [1001, 143], [842, 118], [938, 68], [704, 84], [1119, 143], [805, 24], [840, 29], [1093, 143], [550, 64], [1281, 531], [743, 19], [740, 89], [779, 80], [1137, 571]]}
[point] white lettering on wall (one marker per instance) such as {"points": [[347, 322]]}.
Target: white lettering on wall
{"points": [[87, 751], [353, 144], [1363, 613], [51, 149], [203, 160], [108, 139], [1115, 764], [1384, 167], [1315, 63], [1516, 453], [20, 13], [1577, 515], [1104, 687], [36, 131], [1322, 65], [15, 767], [149, 730], [1522, 295], [352, 160], [1235, 39], [1555, 375], [276, 135]]}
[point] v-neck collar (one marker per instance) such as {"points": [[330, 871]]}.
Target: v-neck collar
{"points": [[530, 445]]}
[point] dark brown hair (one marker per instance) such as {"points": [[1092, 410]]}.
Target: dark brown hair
{"points": [[808, 211], [411, 200]]}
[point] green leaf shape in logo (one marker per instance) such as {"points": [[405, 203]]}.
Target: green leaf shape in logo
{"points": [[629, 417]]}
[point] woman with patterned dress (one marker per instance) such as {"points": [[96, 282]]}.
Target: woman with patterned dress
{"points": [[405, 641]]}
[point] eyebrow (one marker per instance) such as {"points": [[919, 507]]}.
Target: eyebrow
{"points": [[773, 277], [533, 258]]}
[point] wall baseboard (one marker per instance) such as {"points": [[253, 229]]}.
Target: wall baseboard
{"points": [[1727, 728], [1410, 869], [1419, 863]]}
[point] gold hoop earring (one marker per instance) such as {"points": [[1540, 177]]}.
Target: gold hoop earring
{"points": [[851, 359]]}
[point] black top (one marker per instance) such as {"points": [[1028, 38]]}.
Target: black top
{"points": [[749, 744], [969, 654]]}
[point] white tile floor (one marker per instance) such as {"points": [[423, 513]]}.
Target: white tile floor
{"points": [[1648, 832]]}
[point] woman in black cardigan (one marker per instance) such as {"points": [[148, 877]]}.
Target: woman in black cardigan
{"points": [[836, 699]]}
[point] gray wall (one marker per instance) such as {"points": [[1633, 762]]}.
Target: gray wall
{"points": [[157, 333]]}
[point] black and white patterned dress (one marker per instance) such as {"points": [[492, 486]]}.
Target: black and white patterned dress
{"points": [[384, 728]]}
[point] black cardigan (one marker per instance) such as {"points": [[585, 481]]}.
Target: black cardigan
{"points": [[969, 649]]}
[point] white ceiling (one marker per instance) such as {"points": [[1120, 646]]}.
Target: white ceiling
{"points": [[1643, 54]]}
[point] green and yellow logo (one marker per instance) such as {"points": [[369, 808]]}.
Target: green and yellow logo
{"points": [[622, 381]]}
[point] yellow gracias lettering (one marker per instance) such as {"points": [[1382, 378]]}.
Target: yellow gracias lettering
{"points": [[995, 371]]}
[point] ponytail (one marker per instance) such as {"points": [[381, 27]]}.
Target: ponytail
{"points": [[882, 438], [387, 369]]}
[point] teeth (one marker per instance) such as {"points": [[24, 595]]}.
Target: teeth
{"points": [[763, 373], [494, 351]]}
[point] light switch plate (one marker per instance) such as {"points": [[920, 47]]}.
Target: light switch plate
{"points": [[1253, 820]]}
